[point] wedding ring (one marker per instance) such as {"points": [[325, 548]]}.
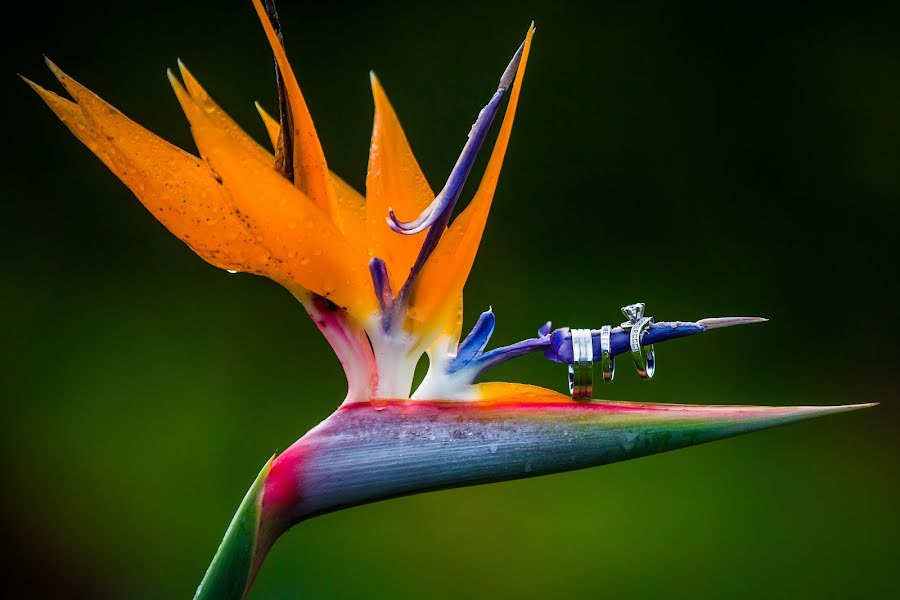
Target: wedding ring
{"points": [[644, 358], [581, 375], [607, 360]]}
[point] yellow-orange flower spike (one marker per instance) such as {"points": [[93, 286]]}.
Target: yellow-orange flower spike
{"points": [[302, 239], [444, 275], [394, 180], [175, 186]]}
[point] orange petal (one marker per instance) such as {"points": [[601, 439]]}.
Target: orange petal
{"points": [[444, 275], [394, 180], [310, 169], [219, 117], [273, 127], [173, 185], [303, 241], [350, 204]]}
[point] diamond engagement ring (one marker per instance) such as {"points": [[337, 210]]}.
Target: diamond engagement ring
{"points": [[637, 323], [634, 313], [581, 371], [644, 358]]}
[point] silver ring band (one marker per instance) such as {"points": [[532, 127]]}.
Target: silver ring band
{"points": [[581, 371], [607, 360], [644, 358]]}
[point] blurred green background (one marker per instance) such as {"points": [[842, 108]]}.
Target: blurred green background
{"points": [[759, 144]]}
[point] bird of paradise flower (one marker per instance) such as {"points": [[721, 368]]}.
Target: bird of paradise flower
{"points": [[382, 277]]}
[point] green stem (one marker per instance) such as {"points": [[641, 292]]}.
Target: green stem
{"points": [[232, 568]]}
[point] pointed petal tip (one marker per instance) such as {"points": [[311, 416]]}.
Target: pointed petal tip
{"points": [[173, 80], [512, 68], [183, 71], [509, 74], [181, 93], [722, 322], [545, 329], [57, 72], [186, 76], [45, 94], [30, 83]]}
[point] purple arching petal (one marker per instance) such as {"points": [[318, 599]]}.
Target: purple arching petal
{"points": [[445, 201], [476, 341], [436, 217], [448, 196], [496, 356]]}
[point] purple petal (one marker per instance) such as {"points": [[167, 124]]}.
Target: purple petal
{"points": [[476, 341]]}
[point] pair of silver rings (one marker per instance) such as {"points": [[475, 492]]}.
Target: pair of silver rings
{"points": [[581, 371]]}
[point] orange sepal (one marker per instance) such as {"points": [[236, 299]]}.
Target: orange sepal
{"points": [[304, 243], [394, 180], [311, 174], [175, 186], [273, 127]]}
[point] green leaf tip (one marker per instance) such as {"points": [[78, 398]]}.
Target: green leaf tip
{"points": [[230, 573]]}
